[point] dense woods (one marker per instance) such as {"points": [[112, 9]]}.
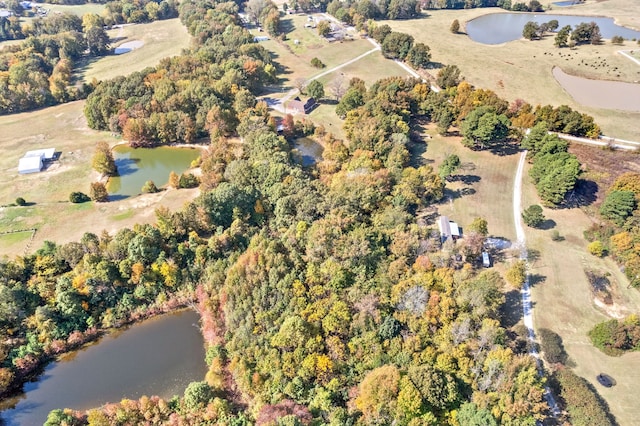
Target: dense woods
{"points": [[322, 299]]}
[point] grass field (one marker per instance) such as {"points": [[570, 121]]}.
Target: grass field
{"points": [[64, 128], [161, 39], [521, 69]]}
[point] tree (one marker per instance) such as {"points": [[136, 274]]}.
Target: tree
{"points": [[397, 45], [517, 273], [324, 28], [197, 395], [315, 89], [378, 393], [618, 206], [97, 40], [78, 197], [596, 248], [533, 216], [455, 26], [470, 414], [554, 175], [98, 192], [103, 161], [338, 87], [419, 56], [484, 125], [449, 166], [449, 76], [174, 180], [479, 225], [317, 63], [562, 36], [531, 31]]}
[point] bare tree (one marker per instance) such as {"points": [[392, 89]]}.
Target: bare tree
{"points": [[254, 9], [300, 83], [338, 87]]}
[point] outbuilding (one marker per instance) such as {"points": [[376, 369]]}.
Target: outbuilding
{"points": [[448, 229], [30, 165]]}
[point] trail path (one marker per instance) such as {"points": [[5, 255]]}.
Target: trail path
{"points": [[527, 308]]}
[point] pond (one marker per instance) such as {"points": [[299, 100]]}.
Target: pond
{"points": [[600, 93], [496, 28], [160, 356], [567, 3], [138, 165], [306, 151]]}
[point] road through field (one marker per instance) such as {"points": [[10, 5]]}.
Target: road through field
{"points": [[527, 307]]}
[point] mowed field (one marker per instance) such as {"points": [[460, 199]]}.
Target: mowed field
{"points": [[160, 39], [521, 69]]}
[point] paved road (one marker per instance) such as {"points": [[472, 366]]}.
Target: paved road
{"points": [[527, 308]]}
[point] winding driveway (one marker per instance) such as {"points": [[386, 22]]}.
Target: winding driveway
{"points": [[527, 308]]}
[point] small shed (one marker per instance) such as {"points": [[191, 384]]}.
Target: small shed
{"points": [[30, 165], [46, 154]]}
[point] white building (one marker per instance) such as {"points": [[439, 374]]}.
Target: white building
{"points": [[33, 161]]}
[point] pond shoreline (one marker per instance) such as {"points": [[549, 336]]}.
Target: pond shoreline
{"points": [[79, 340]]}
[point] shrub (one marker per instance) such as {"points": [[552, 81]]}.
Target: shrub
{"points": [[149, 187], [533, 216], [455, 26], [98, 192], [555, 236], [552, 347], [619, 40], [78, 197], [187, 180], [596, 248], [317, 63], [21, 201]]}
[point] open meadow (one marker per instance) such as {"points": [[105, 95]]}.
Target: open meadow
{"points": [[160, 39], [522, 68], [48, 209]]}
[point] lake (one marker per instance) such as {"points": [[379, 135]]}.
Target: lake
{"points": [[138, 165], [159, 356], [496, 28], [306, 151]]}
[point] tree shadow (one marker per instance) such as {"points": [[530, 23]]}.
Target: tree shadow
{"points": [[533, 255], [416, 152], [286, 26], [434, 65], [535, 279], [584, 193], [466, 179], [511, 309], [547, 224], [504, 148]]}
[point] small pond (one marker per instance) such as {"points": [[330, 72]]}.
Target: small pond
{"points": [[138, 165], [307, 152], [496, 28], [160, 356], [600, 93]]}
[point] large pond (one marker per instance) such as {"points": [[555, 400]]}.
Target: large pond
{"points": [[306, 151], [138, 165], [160, 356], [496, 28]]}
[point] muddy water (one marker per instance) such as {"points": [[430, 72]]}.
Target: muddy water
{"points": [[307, 152], [160, 356], [600, 93]]}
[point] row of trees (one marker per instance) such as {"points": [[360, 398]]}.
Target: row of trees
{"points": [[401, 46]]}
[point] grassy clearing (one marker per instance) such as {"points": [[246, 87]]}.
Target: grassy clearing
{"points": [[161, 39], [484, 185], [64, 128], [521, 69], [15, 238], [325, 114]]}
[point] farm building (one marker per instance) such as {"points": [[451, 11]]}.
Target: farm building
{"points": [[297, 106], [486, 260], [448, 229], [34, 161]]}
